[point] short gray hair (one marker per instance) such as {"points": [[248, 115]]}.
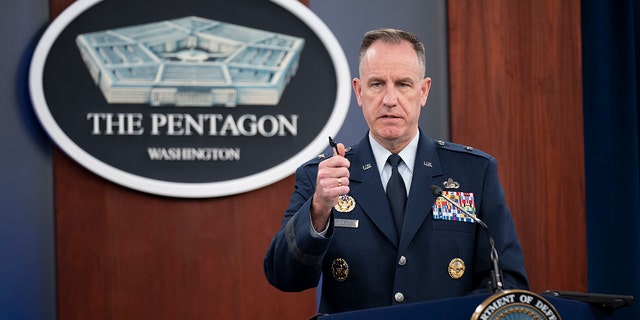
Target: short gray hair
{"points": [[393, 36]]}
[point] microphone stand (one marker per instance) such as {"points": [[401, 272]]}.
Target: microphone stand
{"points": [[496, 281]]}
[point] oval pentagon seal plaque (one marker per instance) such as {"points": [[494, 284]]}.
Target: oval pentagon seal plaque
{"points": [[190, 98]]}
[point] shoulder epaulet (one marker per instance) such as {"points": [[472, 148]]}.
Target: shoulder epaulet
{"points": [[461, 148], [323, 155]]}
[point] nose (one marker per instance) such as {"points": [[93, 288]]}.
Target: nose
{"points": [[390, 98]]}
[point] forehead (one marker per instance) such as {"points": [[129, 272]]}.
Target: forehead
{"points": [[385, 57]]}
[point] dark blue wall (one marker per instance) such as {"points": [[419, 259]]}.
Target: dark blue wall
{"points": [[27, 273], [611, 68]]}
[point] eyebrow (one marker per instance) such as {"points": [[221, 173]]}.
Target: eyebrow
{"points": [[381, 79], [405, 79]]}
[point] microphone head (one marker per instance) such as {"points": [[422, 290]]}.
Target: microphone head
{"points": [[437, 191]]}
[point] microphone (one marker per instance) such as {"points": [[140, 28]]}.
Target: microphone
{"points": [[495, 284]]}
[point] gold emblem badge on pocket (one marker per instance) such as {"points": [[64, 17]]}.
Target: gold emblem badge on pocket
{"points": [[340, 269], [456, 268]]}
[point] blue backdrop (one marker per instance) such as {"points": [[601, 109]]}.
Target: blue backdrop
{"points": [[610, 76], [27, 269]]}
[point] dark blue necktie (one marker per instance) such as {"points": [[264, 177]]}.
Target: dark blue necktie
{"points": [[396, 192]]}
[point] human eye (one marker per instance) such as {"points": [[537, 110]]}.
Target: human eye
{"points": [[376, 84], [404, 84]]}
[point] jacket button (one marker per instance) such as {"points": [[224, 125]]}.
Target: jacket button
{"points": [[402, 261], [399, 297]]}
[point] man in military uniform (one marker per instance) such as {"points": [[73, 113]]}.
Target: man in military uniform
{"points": [[371, 227]]}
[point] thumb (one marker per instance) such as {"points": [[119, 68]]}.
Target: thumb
{"points": [[341, 150]]}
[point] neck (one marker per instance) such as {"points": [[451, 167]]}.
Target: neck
{"points": [[394, 145]]}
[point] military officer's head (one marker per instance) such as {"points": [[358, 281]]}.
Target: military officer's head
{"points": [[392, 87]]}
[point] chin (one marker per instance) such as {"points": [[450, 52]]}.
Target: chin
{"points": [[390, 135]]}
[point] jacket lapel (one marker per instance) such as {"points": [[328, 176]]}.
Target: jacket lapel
{"points": [[366, 189], [425, 172]]}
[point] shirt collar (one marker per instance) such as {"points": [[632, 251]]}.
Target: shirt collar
{"points": [[408, 154]]}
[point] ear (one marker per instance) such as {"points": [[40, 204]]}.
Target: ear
{"points": [[424, 90], [357, 89]]}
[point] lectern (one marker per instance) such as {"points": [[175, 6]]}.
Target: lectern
{"points": [[462, 308]]}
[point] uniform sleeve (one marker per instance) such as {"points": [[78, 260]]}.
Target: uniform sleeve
{"points": [[293, 261], [496, 214]]}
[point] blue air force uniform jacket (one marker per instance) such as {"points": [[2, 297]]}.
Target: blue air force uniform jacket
{"points": [[370, 265]]}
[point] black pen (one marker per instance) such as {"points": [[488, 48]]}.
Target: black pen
{"points": [[333, 145]]}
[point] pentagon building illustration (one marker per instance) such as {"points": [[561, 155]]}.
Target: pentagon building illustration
{"points": [[190, 61]]}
